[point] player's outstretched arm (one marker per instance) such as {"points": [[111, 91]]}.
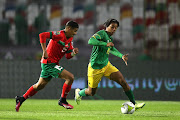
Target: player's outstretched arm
{"points": [[115, 52]]}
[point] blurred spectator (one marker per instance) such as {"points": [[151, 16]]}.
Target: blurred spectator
{"points": [[4, 29], [146, 55], [21, 26], [41, 23]]}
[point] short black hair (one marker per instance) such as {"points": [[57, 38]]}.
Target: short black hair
{"points": [[109, 21], [72, 24]]}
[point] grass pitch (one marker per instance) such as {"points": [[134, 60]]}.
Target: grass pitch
{"points": [[38, 109]]}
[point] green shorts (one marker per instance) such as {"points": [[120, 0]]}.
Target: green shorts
{"points": [[50, 70]]}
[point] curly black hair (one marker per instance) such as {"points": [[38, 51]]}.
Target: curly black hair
{"points": [[109, 21]]}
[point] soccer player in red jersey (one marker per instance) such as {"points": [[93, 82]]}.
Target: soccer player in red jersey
{"points": [[59, 45]]}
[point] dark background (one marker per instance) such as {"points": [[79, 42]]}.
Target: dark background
{"points": [[18, 76]]}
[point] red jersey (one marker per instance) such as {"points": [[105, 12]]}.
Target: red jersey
{"points": [[58, 46]]}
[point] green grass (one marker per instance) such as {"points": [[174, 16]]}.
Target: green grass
{"points": [[37, 109]]}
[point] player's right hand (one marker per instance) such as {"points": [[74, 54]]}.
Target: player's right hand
{"points": [[45, 55], [125, 58], [75, 51], [110, 44]]}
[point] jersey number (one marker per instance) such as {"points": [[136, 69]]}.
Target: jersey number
{"points": [[58, 67]]}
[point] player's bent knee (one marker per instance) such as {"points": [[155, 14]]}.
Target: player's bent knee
{"points": [[70, 79]]}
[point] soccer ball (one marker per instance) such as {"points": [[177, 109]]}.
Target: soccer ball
{"points": [[128, 108]]}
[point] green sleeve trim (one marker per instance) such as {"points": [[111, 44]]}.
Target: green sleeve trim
{"points": [[115, 52], [61, 43], [69, 51], [50, 35]]}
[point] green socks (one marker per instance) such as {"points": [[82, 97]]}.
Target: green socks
{"points": [[82, 92], [130, 96], [128, 93]]}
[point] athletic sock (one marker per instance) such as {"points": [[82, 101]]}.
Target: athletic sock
{"points": [[130, 96], [30, 92], [65, 90], [82, 92]]}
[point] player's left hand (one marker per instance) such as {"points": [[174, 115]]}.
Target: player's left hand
{"points": [[125, 58], [75, 51]]}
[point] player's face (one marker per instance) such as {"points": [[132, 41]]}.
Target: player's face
{"points": [[112, 28], [72, 31]]}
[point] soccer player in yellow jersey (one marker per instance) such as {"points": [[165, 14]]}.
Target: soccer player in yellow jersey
{"points": [[100, 66]]}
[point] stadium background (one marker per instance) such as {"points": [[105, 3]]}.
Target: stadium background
{"points": [[149, 31]]}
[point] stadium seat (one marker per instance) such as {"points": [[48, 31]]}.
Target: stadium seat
{"points": [[150, 14], [126, 23], [161, 17], [161, 7], [175, 30], [160, 1], [149, 21], [64, 21], [138, 29], [79, 20], [172, 1], [126, 7], [138, 36], [138, 21], [55, 11]]}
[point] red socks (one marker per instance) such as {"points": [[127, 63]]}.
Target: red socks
{"points": [[65, 90], [30, 92]]}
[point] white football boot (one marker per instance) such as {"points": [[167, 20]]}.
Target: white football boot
{"points": [[77, 96]]}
